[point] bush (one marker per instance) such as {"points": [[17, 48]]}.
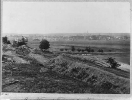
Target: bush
{"points": [[8, 42], [82, 50], [92, 50], [78, 50], [14, 43], [110, 50], [100, 50], [44, 45], [73, 48], [66, 49], [20, 43], [112, 62], [61, 49], [22, 50], [88, 49], [5, 40]]}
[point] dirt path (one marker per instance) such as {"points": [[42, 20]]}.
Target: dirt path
{"points": [[39, 58], [124, 67], [12, 55]]}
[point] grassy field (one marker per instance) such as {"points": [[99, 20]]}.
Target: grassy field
{"points": [[122, 47], [116, 45]]}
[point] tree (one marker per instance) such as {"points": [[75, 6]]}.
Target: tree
{"points": [[44, 45], [61, 49], [110, 50], [83, 50], [100, 50], [73, 48], [92, 50], [66, 49], [112, 62], [8, 42], [5, 40], [88, 49], [20, 43], [14, 43], [78, 50]]}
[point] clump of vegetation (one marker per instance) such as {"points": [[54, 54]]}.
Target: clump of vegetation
{"points": [[100, 50], [112, 62], [66, 49], [110, 50], [72, 48], [78, 49], [61, 49], [5, 40], [44, 45], [22, 41], [23, 50], [88, 49], [92, 50]]}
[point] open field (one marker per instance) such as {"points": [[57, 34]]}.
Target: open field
{"points": [[92, 43], [119, 49]]}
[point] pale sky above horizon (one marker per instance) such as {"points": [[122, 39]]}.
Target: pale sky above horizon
{"points": [[65, 17]]}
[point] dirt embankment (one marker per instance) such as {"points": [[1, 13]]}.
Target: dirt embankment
{"points": [[58, 75], [99, 80], [39, 58], [13, 55]]}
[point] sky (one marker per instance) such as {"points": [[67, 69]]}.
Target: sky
{"points": [[65, 17]]}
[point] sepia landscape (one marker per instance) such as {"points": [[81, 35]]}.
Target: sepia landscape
{"points": [[66, 64], [66, 47]]}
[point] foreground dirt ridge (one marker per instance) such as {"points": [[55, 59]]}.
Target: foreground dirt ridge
{"points": [[41, 74], [118, 72]]}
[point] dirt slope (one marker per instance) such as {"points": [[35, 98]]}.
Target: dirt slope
{"points": [[61, 74]]}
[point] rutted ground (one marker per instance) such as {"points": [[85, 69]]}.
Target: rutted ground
{"points": [[51, 74], [39, 58]]}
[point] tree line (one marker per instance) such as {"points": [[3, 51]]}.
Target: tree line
{"points": [[87, 49]]}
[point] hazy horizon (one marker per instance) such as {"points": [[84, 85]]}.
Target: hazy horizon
{"points": [[65, 17], [72, 34]]}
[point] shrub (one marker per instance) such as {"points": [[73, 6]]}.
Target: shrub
{"points": [[100, 50], [8, 42], [66, 49], [112, 62], [5, 40], [82, 50], [92, 50], [14, 43], [88, 49], [61, 49], [73, 48], [20, 43], [78, 50], [110, 50]]}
